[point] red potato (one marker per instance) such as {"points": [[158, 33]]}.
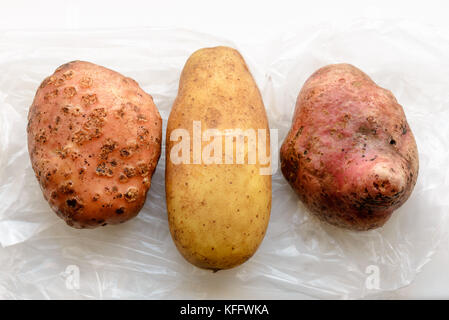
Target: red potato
{"points": [[94, 139], [350, 154]]}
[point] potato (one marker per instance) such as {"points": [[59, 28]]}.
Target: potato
{"points": [[218, 213], [350, 154], [94, 139]]}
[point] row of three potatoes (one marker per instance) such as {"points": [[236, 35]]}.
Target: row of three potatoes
{"points": [[94, 138]]}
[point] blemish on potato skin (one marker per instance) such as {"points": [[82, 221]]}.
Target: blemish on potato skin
{"points": [[107, 148], [123, 178], [146, 182], [66, 187], [119, 113], [131, 194], [125, 152], [129, 171], [143, 169], [69, 92], [58, 82], [71, 203], [51, 95], [68, 75], [74, 205], [63, 152], [89, 99], [44, 83], [103, 170], [86, 82], [141, 118]]}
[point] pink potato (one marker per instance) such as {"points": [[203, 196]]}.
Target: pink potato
{"points": [[350, 154], [94, 139]]}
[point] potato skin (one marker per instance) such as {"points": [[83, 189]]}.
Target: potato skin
{"points": [[94, 139], [350, 154], [218, 213]]}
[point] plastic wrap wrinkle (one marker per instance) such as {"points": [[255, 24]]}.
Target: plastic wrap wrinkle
{"points": [[40, 256]]}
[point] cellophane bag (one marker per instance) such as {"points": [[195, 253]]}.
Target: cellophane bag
{"points": [[41, 257]]}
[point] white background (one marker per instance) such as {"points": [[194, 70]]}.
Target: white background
{"points": [[243, 21]]}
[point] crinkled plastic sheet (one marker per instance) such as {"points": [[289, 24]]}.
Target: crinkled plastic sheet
{"points": [[299, 254]]}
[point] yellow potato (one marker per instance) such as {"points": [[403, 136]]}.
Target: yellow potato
{"points": [[218, 212]]}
